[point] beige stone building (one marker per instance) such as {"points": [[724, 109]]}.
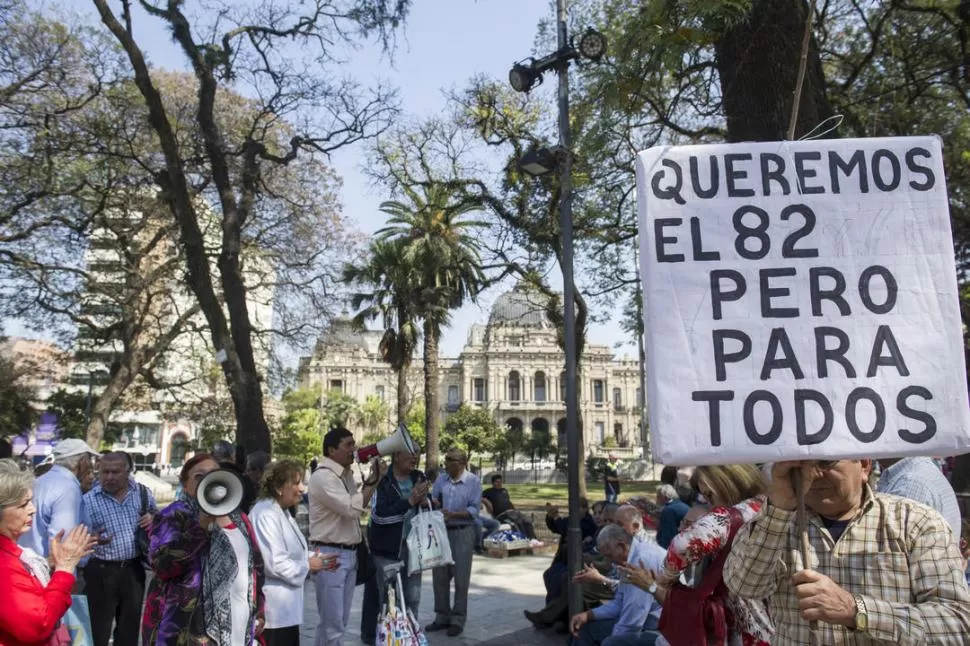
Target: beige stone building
{"points": [[510, 366]]}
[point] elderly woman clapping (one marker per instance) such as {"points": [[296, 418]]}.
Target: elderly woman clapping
{"points": [[286, 556], [32, 598]]}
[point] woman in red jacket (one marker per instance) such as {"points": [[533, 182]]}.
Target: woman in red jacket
{"points": [[32, 598]]}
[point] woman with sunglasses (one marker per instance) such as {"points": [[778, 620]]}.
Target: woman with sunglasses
{"points": [[208, 572]]}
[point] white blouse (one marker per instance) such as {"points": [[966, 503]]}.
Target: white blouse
{"points": [[239, 587], [285, 555]]}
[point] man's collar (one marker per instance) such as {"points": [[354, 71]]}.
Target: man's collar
{"points": [[462, 478], [336, 467]]}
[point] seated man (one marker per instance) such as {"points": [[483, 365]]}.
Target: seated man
{"points": [[555, 574], [884, 569], [496, 500], [672, 511], [631, 614]]}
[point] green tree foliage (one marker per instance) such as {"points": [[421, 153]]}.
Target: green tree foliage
{"points": [[471, 429], [374, 416], [414, 420], [16, 413], [300, 433], [339, 409], [511, 441], [71, 410], [442, 247]]}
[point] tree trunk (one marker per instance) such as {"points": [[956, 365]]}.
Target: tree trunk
{"points": [[402, 394], [757, 61], [101, 410], [238, 364], [431, 416]]}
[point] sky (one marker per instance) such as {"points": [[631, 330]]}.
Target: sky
{"points": [[443, 44]]}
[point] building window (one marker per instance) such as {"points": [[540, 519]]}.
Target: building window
{"points": [[379, 391], [452, 395], [515, 390], [479, 388], [617, 398], [562, 386], [337, 384], [600, 432], [598, 391], [639, 398], [618, 434], [540, 387]]}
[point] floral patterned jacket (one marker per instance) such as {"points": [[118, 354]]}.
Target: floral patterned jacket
{"points": [[705, 538], [173, 608]]}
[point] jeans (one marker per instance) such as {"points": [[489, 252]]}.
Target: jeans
{"points": [[335, 596], [645, 638], [594, 633], [446, 612], [484, 527]]}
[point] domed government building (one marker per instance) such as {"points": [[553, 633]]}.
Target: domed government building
{"points": [[511, 366]]}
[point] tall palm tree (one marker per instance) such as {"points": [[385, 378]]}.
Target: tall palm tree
{"points": [[386, 292], [441, 248]]}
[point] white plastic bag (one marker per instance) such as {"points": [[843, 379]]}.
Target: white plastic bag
{"points": [[428, 545]]}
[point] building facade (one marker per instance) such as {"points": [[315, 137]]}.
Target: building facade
{"points": [[512, 366]]}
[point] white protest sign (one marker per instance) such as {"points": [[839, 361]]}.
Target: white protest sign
{"points": [[800, 301]]}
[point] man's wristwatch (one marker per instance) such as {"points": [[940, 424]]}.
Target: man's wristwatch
{"points": [[861, 616]]}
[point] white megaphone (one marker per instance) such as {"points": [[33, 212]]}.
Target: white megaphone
{"points": [[398, 441], [220, 493]]}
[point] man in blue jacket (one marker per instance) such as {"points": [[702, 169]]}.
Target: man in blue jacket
{"points": [[399, 492], [672, 511]]}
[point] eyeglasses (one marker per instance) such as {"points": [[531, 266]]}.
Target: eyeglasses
{"points": [[826, 465]]}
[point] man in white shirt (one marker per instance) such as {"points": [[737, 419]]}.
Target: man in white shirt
{"points": [[336, 506]]}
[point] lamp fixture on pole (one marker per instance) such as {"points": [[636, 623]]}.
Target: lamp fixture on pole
{"points": [[524, 76]]}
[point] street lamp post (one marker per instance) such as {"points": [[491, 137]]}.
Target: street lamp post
{"points": [[523, 77]]}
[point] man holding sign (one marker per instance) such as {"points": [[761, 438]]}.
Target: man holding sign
{"points": [[883, 569]]}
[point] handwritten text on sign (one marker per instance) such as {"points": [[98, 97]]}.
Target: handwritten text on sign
{"points": [[800, 300]]}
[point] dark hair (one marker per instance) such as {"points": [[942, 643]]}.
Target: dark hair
{"points": [[223, 451], [257, 461], [497, 476], [120, 455], [279, 474], [194, 460], [668, 475], [333, 438]]}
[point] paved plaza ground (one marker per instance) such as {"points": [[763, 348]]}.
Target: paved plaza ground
{"points": [[500, 590]]}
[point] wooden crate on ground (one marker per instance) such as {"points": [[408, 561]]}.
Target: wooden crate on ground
{"points": [[505, 549]]}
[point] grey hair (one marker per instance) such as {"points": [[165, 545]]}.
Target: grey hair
{"points": [[14, 483], [71, 463], [628, 514], [669, 492], [610, 536]]}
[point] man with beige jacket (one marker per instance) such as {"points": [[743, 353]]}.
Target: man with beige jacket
{"points": [[336, 505]]}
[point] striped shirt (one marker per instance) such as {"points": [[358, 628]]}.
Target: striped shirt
{"points": [[119, 520], [899, 556], [921, 480]]}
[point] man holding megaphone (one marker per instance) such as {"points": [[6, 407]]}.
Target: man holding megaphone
{"points": [[336, 506]]}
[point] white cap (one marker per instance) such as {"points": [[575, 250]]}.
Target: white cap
{"points": [[70, 448]]}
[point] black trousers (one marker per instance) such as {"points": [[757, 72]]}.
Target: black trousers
{"points": [[288, 636], [115, 590]]}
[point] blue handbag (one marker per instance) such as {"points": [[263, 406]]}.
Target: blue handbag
{"points": [[77, 620]]}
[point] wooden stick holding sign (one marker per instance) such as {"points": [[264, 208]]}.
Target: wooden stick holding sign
{"points": [[801, 523], [797, 479]]}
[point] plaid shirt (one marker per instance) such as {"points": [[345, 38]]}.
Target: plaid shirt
{"points": [[118, 519], [899, 556]]}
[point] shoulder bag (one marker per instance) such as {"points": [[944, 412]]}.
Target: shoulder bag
{"points": [[141, 535], [697, 616]]}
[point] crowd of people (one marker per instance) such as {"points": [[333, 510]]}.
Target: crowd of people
{"points": [[887, 555], [888, 560]]}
